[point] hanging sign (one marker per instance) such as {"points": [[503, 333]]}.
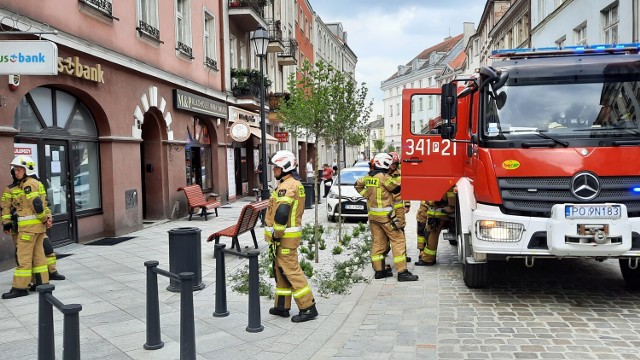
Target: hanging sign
{"points": [[28, 57], [282, 136]]}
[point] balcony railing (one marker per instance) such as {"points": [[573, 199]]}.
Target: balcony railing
{"points": [[103, 6], [148, 30], [256, 5], [247, 83], [276, 100], [211, 63], [275, 36], [289, 55], [185, 49]]}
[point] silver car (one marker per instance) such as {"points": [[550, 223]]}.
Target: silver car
{"points": [[353, 204]]}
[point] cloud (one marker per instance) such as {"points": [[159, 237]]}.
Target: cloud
{"points": [[384, 35]]}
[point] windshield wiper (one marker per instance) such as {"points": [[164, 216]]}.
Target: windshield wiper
{"points": [[557, 141]]}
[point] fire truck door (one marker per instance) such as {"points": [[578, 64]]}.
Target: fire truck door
{"points": [[430, 164]]}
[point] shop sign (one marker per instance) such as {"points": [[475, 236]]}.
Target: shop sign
{"points": [[240, 131], [199, 104], [236, 114], [28, 57], [72, 66], [282, 136]]}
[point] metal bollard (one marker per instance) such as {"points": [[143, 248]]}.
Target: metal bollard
{"points": [[187, 325], [46, 344], [153, 308], [254, 293], [221, 287], [71, 333]]}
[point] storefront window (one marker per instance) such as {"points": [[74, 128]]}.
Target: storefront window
{"points": [[85, 163], [198, 155]]}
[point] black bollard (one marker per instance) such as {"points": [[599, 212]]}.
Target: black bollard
{"points": [[153, 308], [71, 334], [46, 344], [254, 293], [221, 286], [187, 325]]}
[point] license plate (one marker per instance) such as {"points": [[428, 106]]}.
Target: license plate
{"points": [[354, 207], [592, 211]]}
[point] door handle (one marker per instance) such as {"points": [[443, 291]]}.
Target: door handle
{"points": [[412, 160]]}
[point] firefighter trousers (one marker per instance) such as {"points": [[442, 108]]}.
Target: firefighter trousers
{"points": [[428, 254], [290, 279], [383, 234], [31, 260]]}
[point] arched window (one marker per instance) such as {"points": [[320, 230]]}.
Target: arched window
{"points": [[66, 132]]}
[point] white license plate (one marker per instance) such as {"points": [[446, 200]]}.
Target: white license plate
{"points": [[354, 207], [592, 211]]}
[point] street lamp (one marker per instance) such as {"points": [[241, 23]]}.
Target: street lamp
{"points": [[260, 41]]}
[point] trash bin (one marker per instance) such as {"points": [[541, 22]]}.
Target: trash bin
{"points": [[185, 252], [309, 199]]}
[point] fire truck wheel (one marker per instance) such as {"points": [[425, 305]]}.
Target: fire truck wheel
{"points": [[631, 276], [476, 276]]}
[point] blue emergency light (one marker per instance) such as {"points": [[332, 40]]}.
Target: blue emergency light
{"points": [[567, 50], [636, 190]]}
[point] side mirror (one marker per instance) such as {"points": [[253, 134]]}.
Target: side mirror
{"points": [[448, 131], [449, 101]]}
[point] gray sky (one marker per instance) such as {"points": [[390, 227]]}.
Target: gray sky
{"points": [[386, 33]]}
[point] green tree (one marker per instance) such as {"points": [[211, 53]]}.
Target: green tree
{"points": [[391, 148], [324, 104], [378, 144]]}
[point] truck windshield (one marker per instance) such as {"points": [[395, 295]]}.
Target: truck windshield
{"points": [[562, 108]]}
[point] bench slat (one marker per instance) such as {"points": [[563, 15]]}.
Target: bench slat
{"points": [[196, 199], [246, 223]]}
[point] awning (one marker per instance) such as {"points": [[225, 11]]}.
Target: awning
{"points": [[257, 133]]}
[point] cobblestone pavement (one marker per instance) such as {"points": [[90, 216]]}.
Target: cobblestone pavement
{"points": [[572, 309]]}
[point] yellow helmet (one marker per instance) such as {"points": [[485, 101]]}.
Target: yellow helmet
{"points": [[26, 162]]}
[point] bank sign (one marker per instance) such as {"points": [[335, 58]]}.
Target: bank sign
{"points": [[28, 57]]}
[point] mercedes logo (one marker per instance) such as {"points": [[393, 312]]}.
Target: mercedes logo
{"points": [[585, 186]]}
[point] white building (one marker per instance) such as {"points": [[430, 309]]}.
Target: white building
{"points": [[582, 22]]}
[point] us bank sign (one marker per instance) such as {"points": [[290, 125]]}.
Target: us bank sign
{"points": [[28, 57]]}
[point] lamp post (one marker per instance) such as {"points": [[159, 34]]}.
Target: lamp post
{"points": [[260, 41]]}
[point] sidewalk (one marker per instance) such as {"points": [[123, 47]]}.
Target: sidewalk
{"points": [[383, 319]]}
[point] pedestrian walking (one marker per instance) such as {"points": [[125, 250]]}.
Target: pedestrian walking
{"points": [[33, 217], [378, 187], [327, 178], [283, 232]]}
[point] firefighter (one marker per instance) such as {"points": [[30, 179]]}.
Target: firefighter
{"points": [[33, 216], [283, 231], [401, 207], [378, 187], [438, 217], [421, 231], [10, 226]]}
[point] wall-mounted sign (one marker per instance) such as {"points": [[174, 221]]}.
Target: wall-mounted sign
{"points": [[282, 136], [199, 104], [28, 57], [237, 114], [240, 131], [72, 66]]}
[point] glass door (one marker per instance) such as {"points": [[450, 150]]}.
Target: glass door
{"points": [[56, 180]]}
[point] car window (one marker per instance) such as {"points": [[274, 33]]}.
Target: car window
{"points": [[350, 177]]}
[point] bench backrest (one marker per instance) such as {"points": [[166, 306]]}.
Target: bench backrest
{"points": [[250, 214], [194, 194]]}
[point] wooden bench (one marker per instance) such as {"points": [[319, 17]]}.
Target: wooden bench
{"points": [[246, 222], [196, 200]]}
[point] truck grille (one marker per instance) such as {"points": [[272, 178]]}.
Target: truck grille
{"points": [[536, 196]]}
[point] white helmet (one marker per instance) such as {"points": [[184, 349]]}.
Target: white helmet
{"points": [[285, 160], [382, 161], [26, 162]]}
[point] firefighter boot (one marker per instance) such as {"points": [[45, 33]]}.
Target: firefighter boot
{"points": [[279, 312], [14, 293], [407, 276], [56, 276], [383, 274], [305, 315], [424, 263]]}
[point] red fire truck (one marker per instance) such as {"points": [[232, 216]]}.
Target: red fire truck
{"points": [[543, 149]]}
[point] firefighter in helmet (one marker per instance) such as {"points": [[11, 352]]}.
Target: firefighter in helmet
{"points": [[33, 216], [401, 207], [379, 188], [438, 217], [283, 232]]}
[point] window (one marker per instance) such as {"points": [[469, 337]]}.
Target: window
{"points": [[210, 41], [232, 52], [430, 102], [44, 111], [541, 10], [148, 19], [610, 24], [413, 106], [561, 40], [420, 104], [183, 28], [580, 34], [390, 110], [397, 109]]}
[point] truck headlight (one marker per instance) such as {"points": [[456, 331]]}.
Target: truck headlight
{"points": [[491, 230]]}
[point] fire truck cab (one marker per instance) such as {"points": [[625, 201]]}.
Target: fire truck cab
{"points": [[543, 150]]}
